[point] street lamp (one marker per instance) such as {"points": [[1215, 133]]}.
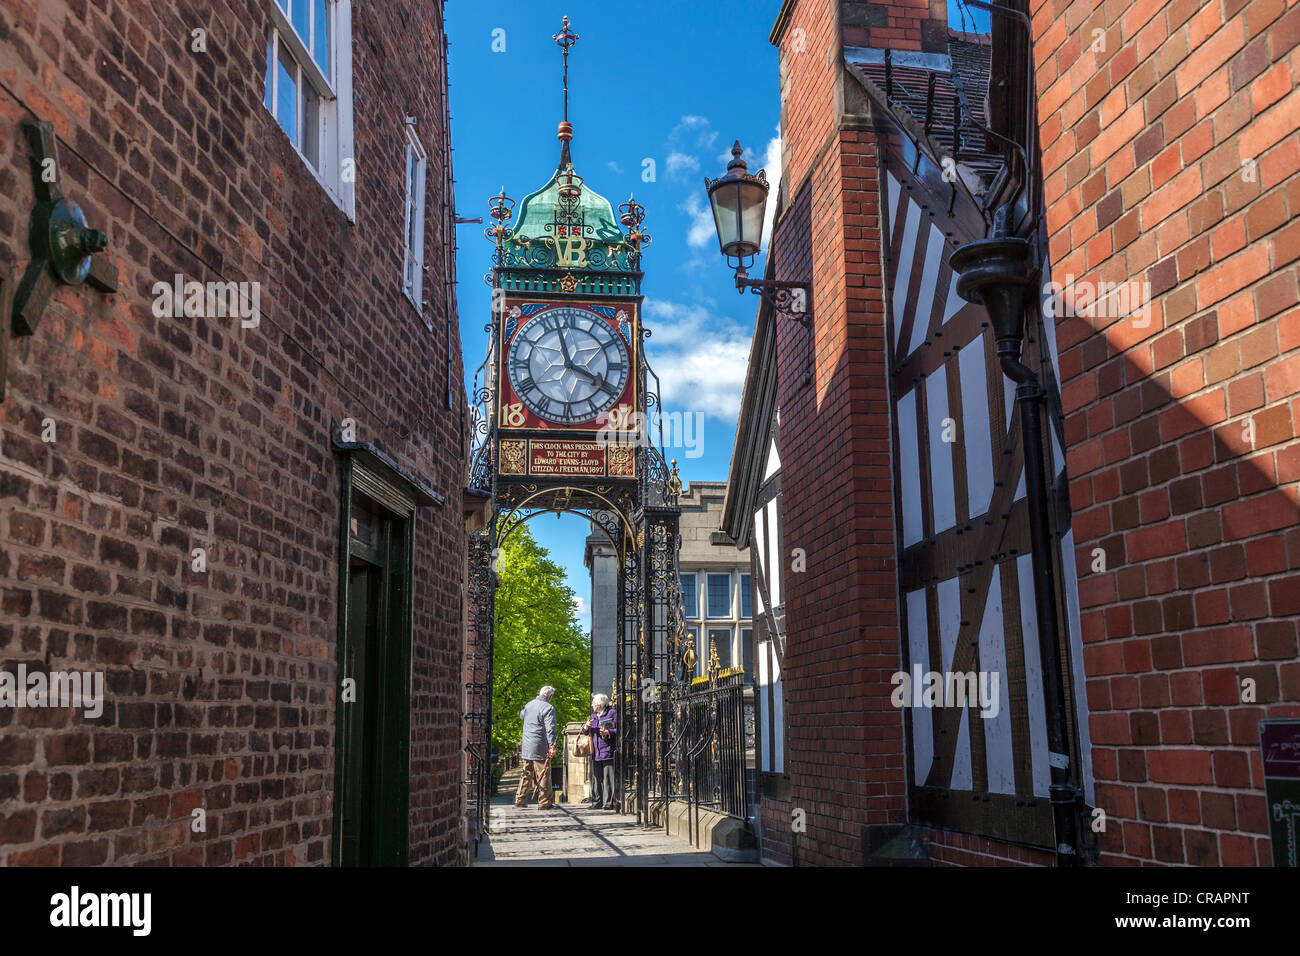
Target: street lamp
{"points": [[739, 201]]}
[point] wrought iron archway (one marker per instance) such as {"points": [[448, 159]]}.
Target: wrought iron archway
{"points": [[655, 656], [571, 252]]}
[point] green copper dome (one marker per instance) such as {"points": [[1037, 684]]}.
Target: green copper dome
{"points": [[537, 214]]}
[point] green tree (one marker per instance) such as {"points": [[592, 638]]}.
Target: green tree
{"points": [[537, 641]]}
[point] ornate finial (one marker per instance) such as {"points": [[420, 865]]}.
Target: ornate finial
{"points": [[502, 211], [570, 184], [632, 215], [566, 38], [674, 482], [632, 212]]}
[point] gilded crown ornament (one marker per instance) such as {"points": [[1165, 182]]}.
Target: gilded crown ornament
{"points": [[502, 210]]}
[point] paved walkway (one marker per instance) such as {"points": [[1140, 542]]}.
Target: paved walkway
{"points": [[572, 835]]}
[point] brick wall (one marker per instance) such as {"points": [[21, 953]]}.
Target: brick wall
{"points": [[946, 848], [844, 740], [899, 24], [173, 434], [775, 831], [1170, 155]]}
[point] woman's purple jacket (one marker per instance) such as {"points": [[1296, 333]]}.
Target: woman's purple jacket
{"points": [[601, 748]]}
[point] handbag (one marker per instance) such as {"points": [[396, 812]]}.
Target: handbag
{"points": [[582, 746]]}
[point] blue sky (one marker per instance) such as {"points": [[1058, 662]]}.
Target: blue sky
{"points": [[670, 82], [961, 16], [657, 93]]}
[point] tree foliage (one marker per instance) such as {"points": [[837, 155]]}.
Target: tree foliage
{"points": [[537, 641]]}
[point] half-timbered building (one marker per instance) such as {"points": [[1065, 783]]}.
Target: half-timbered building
{"points": [[752, 517]]}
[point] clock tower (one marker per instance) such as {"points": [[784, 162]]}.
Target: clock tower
{"points": [[562, 424], [570, 393]]}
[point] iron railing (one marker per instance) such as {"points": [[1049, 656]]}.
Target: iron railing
{"points": [[479, 793], [708, 755]]}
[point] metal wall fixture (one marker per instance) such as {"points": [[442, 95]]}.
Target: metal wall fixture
{"points": [[64, 250], [739, 201]]}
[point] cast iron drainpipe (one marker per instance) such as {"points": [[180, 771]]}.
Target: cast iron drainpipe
{"points": [[998, 274]]}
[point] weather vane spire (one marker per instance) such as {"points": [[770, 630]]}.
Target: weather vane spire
{"points": [[566, 38]]}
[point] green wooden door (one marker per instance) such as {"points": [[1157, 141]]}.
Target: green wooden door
{"points": [[373, 738]]}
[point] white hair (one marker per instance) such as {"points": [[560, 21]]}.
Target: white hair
{"points": [[546, 693], [599, 700]]}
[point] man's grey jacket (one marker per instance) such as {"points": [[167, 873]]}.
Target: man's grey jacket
{"points": [[539, 728]]}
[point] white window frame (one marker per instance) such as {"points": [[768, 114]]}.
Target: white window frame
{"points": [[413, 288], [731, 598], [740, 597], [336, 171]]}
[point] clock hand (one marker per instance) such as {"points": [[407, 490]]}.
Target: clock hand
{"points": [[564, 347], [594, 379]]}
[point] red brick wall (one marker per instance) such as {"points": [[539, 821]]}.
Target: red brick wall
{"points": [[807, 74], [1170, 154], [776, 832], [946, 848], [844, 740], [898, 24], [181, 433]]}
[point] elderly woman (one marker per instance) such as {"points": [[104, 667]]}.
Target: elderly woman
{"points": [[603, 728]]}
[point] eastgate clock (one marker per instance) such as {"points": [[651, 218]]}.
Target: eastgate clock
{"points": [[567, 366]]}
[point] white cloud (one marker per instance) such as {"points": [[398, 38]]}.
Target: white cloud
{"points": [[679, 165], [691, 135], [691, 126], [580, 605], [700, 358], [772, 165], [615, 167], [701, 230]]}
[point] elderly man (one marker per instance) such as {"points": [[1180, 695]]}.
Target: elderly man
{"points": [[538, 745]]}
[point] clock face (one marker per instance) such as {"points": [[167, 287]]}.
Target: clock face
{"points": [[568, 366]]}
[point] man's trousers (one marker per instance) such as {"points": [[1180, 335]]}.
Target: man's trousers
{"points": [[528, 774]]}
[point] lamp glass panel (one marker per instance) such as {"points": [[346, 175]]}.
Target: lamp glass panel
{"points": [[726, 218], [753, 203]]}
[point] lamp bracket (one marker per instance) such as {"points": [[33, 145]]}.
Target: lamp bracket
{"points": [[792, 299]]}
